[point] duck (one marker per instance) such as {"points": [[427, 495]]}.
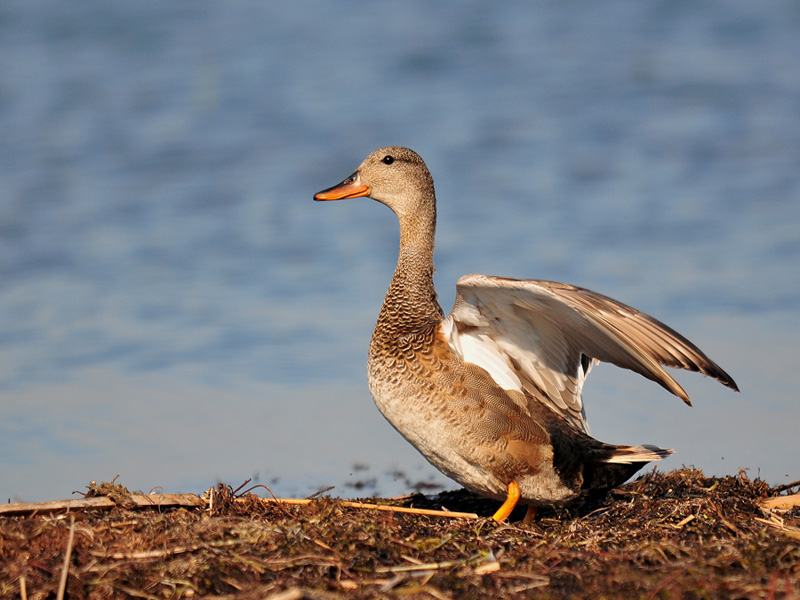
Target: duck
{"points": [[491, 394]]}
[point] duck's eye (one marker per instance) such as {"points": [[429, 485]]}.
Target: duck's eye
{"points": [[388, 159]]}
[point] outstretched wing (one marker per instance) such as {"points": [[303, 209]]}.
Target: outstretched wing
{"points": [[541, 338]]}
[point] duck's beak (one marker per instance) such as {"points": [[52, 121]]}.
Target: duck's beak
{"points": [[349, 188]]}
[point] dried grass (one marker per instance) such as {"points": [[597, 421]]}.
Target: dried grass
{"points": [[673, 535]]}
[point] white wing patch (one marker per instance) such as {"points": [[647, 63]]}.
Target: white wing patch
{"points": [[485, 352]]}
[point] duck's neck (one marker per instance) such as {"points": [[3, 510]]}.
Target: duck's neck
{"points": [[411, 303]]}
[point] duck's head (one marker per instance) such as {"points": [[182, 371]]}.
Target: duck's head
{"points": [[394, 176]]}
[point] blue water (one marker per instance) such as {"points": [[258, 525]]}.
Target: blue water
{"points": [[176, 309]]}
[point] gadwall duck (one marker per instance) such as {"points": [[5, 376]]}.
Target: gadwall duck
{"points": [[491, 394]]}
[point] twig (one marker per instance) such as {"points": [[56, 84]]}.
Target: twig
{"points": [[322, 491], [290, 594], [785, 486], [386, 507], [422, 567], [246, 481], [67, 555], [781, 502], [790, 530], [489, 567], [134, 593], [250, 489], [438, 594], [683, 522], [101, 503]]}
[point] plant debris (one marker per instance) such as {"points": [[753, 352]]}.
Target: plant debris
{"points": [[664, 535]]}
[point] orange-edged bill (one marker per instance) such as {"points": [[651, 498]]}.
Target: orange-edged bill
{"points": [[349, 188]]}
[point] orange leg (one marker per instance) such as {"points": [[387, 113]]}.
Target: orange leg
{"points": [[511, 501], [530, 515]]}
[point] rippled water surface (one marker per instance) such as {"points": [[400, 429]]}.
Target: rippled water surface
{"points": [[176, 309]]}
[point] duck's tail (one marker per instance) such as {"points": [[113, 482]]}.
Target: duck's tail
{"points": [[617, 465], [626, 455]]}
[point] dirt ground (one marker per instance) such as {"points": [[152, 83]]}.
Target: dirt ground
{"points": [[664, 535]]}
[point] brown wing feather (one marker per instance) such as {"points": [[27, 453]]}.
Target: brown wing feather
{"points": [[543, 330], [646, 334]]}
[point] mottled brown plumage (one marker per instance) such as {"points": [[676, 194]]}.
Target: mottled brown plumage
{"points": [[491, 394]]}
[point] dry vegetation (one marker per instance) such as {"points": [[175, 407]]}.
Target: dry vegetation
{"points": [[673, 535]]}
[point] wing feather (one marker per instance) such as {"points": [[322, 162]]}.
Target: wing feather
{"points": [[541, 338]]}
